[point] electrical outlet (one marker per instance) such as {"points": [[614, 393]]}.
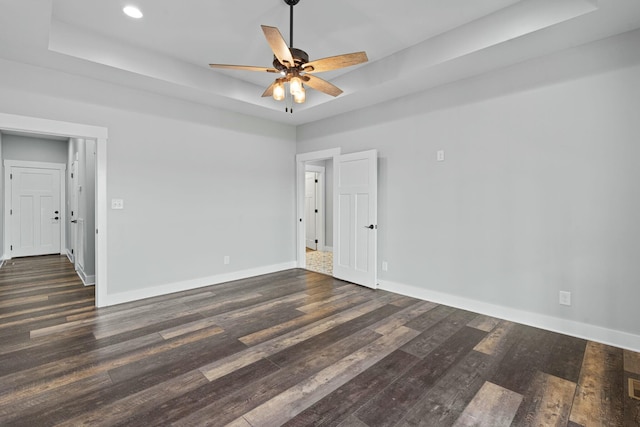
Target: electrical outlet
{"points": [[440, 155], [227, 260], [565, 298], [385, 266], [117, 204]]}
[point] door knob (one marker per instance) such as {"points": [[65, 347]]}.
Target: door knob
{"points": [[56, 218], [370, 227], [74, 221]]}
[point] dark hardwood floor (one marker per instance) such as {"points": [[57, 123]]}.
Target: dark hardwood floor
{"points": [[294, 348]]}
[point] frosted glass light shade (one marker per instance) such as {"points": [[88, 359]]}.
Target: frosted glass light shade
{"points": [[278, 91], [295, 85], [300, 97]]}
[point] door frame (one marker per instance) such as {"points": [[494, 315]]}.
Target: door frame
{"points": [[8, 199], [320, 204], [301, 160], [17, 123]]}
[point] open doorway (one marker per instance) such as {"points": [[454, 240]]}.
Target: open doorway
{"points": [[315, 232], [49, 196], [90, 190], [354, 212], [319, 218]]}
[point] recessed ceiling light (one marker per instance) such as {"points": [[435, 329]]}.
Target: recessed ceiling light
{"points": [[133, 12]]}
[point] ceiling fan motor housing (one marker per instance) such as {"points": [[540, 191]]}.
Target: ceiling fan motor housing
{"points": [[300, 57]]}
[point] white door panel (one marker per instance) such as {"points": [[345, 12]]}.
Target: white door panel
{"points": [[35, 211], [356, 213]]}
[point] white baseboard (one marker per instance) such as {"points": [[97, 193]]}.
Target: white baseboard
{"points": [[187, 285], [87, 280], [69, 255], [612, 337], [2, 262], [327, 249]]}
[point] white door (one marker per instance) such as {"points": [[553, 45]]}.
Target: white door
{"points": [[310, 210], [35, 211], [73, 212], [356, 216]]}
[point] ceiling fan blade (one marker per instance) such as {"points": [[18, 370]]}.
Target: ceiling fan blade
{"points": [[322, 85], [244, 67], [335, 62], [269, 91], [278, 45]]}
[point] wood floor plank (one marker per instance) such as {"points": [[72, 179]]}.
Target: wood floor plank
{"points": [[290, 403], [527, 356], [433, 337], [568, 366], [547, 403], [93, 400], [495, 341], [632, 362], [631, 415], [430, 318], [493, 406], [267, 348], [333, 335], [30, 311], [444, 403], [344, 401], [597, 401], [292, 347], [190, 402], [404, 316], [252, 395], [484, 323], [268, 333], [24, 401], [390, 406], [109, 414]]}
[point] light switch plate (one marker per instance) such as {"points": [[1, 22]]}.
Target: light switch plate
{"points": [[117, 204], [440, 156]]}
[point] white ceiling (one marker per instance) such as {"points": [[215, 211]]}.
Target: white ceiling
{"points": [[412, 45]]}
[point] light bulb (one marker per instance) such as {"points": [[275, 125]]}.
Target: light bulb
{"points": [[295, 85], [301, 96], [278, 91]]}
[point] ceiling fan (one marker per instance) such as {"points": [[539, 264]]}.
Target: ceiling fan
{"points": [[295, 68]]}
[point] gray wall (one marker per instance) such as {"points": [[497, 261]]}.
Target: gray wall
{"points": [[34, 149], [539, 191], [190, 176]]}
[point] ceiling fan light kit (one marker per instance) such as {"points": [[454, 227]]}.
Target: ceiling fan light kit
{"points": [[295, 68]]}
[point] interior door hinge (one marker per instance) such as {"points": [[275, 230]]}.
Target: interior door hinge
{"points": [[316, 181], [10, 211], [316, 210], [11, 247], [316, 241], [10, 176]]}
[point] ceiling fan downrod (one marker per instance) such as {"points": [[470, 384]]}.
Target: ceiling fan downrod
{"points": [[291, 3]]}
